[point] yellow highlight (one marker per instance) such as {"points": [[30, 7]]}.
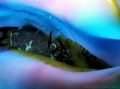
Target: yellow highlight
{"points": [[115, 7], [50, 61], [110, 1]]}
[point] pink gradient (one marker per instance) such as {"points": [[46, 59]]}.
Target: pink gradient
{"points": [[20, 72]]}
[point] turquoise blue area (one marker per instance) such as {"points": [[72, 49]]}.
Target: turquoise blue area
{"points": [[105, 45]]}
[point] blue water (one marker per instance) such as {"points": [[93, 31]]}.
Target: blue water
{"points": [[14, 15], [20, 15]]}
